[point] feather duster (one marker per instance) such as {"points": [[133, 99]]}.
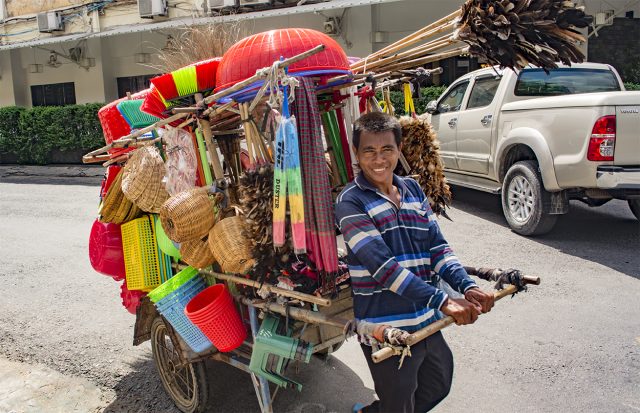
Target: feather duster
{"points": [[255, 193], [421, 149]]}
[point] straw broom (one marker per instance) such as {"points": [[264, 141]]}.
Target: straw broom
{"points": [[509, 33]]}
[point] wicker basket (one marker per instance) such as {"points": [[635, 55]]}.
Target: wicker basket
{"points": [[230, 247], [142, 179], [196, 253], [188, 215], [116, 208]]}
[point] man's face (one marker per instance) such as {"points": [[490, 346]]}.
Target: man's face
{"points": [[378, 156]]}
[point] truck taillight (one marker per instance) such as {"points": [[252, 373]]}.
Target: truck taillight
{"points": [[603, 139]]}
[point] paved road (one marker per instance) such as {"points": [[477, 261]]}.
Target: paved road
{"points": [[571, 344]]}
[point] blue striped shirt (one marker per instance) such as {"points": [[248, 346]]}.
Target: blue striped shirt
{"points": [[396, 256]]}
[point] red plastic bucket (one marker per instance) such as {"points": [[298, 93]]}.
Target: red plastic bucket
{"points": [[215, 314]]}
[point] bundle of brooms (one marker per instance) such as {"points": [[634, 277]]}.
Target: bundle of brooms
{"points": [[508, 33]]}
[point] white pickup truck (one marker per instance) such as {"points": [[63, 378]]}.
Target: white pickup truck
{"points": [[541, 139]]}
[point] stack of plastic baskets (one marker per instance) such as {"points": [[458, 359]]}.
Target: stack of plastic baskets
{"points": [[171, 299], [215, 313]]}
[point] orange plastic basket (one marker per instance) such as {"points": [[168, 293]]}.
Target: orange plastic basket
{"points": [[140, 249]]}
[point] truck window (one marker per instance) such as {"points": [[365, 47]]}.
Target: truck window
{"points": [[565, 81], [483, 91], [453, 100]]}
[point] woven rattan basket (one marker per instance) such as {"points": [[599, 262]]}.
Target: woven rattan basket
{"points": [[230, 247], [142, 179], [116, 208], [196, 253], [188, 215]]}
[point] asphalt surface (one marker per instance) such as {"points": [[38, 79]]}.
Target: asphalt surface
{"points": [[570, 344]]}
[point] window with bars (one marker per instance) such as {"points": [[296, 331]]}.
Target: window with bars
{"points": [[55, 94], [133, 84]]}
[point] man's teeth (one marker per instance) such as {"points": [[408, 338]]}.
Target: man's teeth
{"points": [[379, 170]]}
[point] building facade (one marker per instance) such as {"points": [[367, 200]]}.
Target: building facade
{"points": [[78, 51]]}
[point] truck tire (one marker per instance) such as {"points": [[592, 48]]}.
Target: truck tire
{"points": [[634, 206], [522, 200]]}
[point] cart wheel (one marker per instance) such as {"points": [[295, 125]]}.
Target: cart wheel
{"points": [[186, 384]]}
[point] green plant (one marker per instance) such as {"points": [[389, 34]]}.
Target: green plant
{"points": [[31, 134], [427, 94], [631, 86]]}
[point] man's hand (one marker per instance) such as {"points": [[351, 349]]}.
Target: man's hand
{"points": [[480, 298], [463, 311]]}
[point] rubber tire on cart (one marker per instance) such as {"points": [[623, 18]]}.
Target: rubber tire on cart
{"points": [[187, 386], [634, 206], [522, 200]]}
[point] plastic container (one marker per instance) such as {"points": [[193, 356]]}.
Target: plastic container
{"points": [[130, 299], [172, 284], [255, 52], [215, 313], [141, 254], [106, 251], [172, 308]]}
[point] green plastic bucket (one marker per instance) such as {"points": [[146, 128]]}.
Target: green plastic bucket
{"points": [[172, 284], [164, 242]]}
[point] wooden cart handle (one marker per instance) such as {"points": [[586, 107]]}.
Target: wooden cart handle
{"points": [[433, 328]]}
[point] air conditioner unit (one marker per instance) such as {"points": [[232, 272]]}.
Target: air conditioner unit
{"points": [[49, 22], [221, 4], [604, 18], [148, 9], [254, 2]]}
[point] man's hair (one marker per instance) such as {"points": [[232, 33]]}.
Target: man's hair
{"points": [[376, 122]]}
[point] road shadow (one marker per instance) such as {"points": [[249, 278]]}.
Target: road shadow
{"points": [[608, 235], [328, 386], [52, 174]]}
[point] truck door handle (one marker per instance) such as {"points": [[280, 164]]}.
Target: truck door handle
{"points": [[486, 120], [452, 122]]}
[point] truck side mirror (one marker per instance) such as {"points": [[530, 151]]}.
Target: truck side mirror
{"points": [[432, 107]]}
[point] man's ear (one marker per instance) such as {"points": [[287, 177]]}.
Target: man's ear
{"points": [[355, 152]]}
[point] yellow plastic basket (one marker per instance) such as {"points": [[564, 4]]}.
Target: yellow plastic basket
{"points": [[141, 254]]}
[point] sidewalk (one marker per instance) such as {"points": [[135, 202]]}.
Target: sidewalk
{"points": [[26, 388], [52, 174]]}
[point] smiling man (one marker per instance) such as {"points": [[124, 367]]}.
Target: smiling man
{"points": [[397, 259]]}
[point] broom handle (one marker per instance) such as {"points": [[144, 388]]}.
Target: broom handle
{"points": [[408, 40], [259, 74], [433, 328], [428, 59], [205, 126], [413, 53]]}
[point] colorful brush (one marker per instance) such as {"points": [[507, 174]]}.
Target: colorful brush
{"points": [[279, 187], [130, 111], [199, 77], [294, 186]]}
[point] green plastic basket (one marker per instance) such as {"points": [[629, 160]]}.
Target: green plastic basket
{"points": [[172, 284]]}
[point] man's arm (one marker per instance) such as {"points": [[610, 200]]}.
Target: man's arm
{"points": [[366, 243]]}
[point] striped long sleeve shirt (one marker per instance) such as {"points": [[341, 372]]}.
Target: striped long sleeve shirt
{"points": [[396, 256]]}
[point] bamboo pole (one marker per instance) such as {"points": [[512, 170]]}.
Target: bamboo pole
{"points": [[433, 328], [296, 313], [125, 140], [265, 286]]}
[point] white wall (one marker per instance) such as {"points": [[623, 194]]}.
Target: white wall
{"points": [[7, 97], [89, 85]]}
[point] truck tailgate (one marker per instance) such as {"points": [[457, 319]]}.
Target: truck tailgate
{"points": [[627, 146]]}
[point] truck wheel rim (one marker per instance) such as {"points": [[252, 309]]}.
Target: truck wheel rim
{"points": [[521, 199], [178, 377]]}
